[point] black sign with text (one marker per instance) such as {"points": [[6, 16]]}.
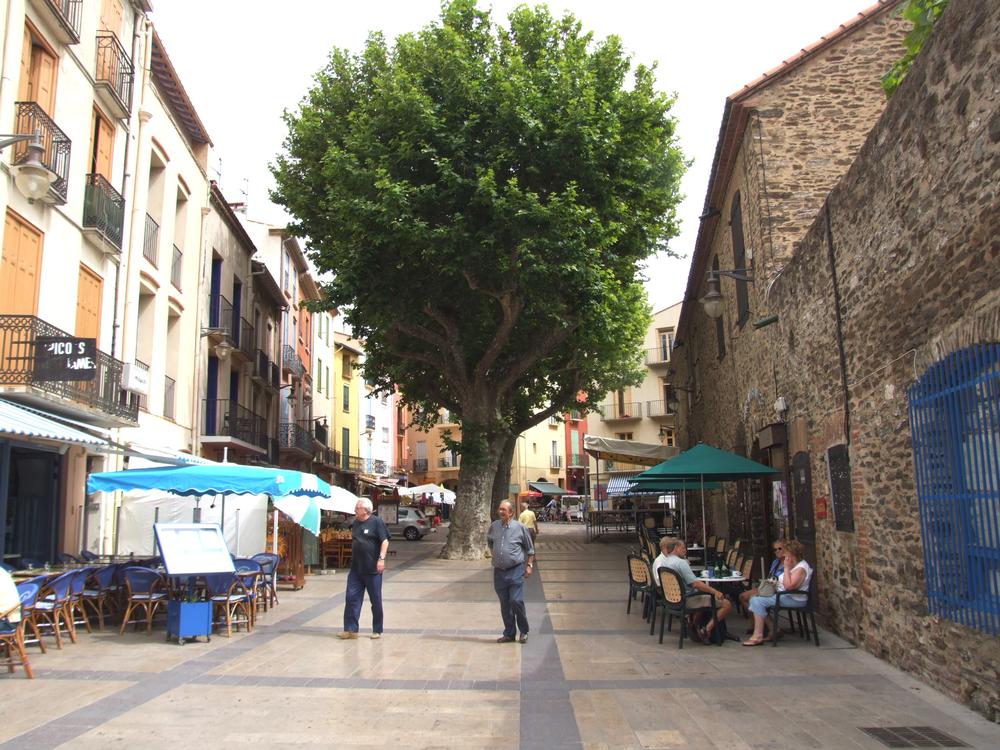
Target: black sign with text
{"points": [[65, 358]]}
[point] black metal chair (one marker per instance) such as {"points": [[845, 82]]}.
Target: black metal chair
{"points": [[804, 615]]}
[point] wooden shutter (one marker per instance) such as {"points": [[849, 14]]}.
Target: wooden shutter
{"points": [[20, 266], [88, 304], [24, 83], [111, 16], [44, 67], [102, 148]]}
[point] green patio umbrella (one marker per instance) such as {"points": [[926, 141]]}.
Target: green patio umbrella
{"points": [[701, 463], [655, 484]]}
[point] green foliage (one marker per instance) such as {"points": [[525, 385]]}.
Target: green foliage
{"points": [[923, 14], [484, 196]]}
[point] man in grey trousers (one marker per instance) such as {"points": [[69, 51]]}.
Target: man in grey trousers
{"points": [[513, 559]]}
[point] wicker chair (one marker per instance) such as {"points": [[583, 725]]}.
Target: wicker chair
{"points": [[143, 588], [227, 592], [53, 606], [12, 643], [28, 591], [637, 583], [268, 565], [673, 601], [99, 592]]}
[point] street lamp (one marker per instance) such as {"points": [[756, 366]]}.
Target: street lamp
{"points": [[712, 301], [673, 402], [32, 178]]}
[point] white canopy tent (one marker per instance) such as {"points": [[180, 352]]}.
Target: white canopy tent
{"points": [[436, 493]]}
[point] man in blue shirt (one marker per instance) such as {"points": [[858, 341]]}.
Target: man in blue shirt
{"points": [[369, 546], [513, 558]]}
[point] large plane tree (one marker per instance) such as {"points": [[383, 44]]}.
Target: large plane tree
{"points": [[483, 197]]}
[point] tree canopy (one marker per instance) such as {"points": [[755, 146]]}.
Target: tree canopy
{"points": [[483, 196]]}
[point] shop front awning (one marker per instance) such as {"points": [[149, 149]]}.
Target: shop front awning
{"points": [[618, 484], [21, 421], [627, 451], [547, 488]]}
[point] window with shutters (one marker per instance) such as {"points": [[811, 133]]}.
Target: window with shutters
{"points": [[39, 67], [739, 261]]}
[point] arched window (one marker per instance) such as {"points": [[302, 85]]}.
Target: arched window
{"points": [[955, 424]]}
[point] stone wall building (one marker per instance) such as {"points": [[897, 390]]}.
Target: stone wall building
{"points": [[872, 375]]}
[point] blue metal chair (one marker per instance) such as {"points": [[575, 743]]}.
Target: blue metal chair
{"points": [[87, 556], [76, 587], [269, 566], [144, 588], [12, 643], [252, 574], [227, 592], [6, 567], [53, 604]]}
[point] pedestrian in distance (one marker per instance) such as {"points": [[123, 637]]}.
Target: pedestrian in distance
{"points": [[527, 519], [513, 555], [369, 546]]}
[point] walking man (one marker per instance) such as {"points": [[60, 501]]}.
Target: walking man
{"points": [[513, 558], [528, 520], [369, 546]]}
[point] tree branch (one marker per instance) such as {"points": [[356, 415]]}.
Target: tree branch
{"points": [[511, 310], [530, 358]]}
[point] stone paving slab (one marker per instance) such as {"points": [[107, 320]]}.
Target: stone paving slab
{"points": [[589, 677]]}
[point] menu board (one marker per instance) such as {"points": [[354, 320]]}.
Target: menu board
{"points": [[193, 548]]}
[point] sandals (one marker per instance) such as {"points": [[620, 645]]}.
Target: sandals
{"points": [[752, 642]]}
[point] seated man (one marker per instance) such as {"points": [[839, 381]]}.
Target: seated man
{"points": [[672, 555]]}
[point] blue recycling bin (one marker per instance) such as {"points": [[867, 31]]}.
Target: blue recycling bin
{"points": [[189, 620]]}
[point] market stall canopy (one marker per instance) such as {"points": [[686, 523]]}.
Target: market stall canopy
{"points": [[446, 495], [668, 485], [340, 501], [547, 488], [705, 462], [25, 422], [627, 451], [211, 479]]}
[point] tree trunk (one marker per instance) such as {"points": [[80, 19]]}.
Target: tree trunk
{"points": [[501, 481], [471, 515]]}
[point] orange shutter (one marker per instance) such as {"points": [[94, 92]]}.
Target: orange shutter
{"points": [[24, 83], [111, 16], [20, 267], [103, 148], [43, 83], [88, 304]]}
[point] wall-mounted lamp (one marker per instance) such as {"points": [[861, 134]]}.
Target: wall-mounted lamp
{"points": [[781, 408], [223, 348], [32, 178], [673, 402], [712, 301]]}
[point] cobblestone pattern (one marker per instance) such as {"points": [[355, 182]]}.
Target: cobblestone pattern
{"points": [[912, 229]]}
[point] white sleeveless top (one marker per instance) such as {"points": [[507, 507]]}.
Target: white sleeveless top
{"points": [[805, 584]]}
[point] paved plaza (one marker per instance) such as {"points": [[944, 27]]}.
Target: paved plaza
{"points": [[590, 675]]}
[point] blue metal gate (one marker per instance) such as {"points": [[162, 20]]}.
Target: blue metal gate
{"points": [[955, 423]]}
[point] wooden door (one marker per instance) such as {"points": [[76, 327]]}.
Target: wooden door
{"points": [[102, 148], [88, 304], [44, 66], [20, 267], [111, 16]]}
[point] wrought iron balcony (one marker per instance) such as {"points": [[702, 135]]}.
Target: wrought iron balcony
{"points": [[220, 315], [224, 417], [420, 464], [351, 463], [321, 433], [617, 410], [575, 415], [114, 74], [176, 267], [18, 334], [64, 16], [291, 362], [659, 355], [151, 240], [555, 462], [658, 409], [262, 366], [577, 459], [31, 119], [244, 340], [275, 375], [292, 436], [448, 461], [103, 212]]}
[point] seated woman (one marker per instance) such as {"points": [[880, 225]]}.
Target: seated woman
{"points": [[777, 568], [795, 577]]}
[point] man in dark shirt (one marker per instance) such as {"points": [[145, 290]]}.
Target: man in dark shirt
{"points": [[513, 558], [369, 545]]}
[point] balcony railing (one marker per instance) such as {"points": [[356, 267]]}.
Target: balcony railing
{"points": [[224, 417], [627, 410], [659, 355], [151, 240], [577, 459], [176, 267], [375, 466], [555, 462], [103, 210], [447, 461], [143, 398], [246, 340], [293, 436], [31, 118], [114, 69], [369, 421], [220, 315], [321, 433], [420, 464], [658, 409], [66, 14], [575, 415], [275, 375], [17, 367], [291, 361], [169, 387], [262, 366], [351, 463]]}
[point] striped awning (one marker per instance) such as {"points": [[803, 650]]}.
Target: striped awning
{"points": [[34, 423], [618, 484]]}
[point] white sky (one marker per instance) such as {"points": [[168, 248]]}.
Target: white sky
{"points": [[243, 62]]}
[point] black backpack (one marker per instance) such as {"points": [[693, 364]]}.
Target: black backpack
{"points": [[719, 633]]}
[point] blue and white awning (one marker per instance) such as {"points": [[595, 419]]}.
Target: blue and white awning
{"points": [[33, 423]]}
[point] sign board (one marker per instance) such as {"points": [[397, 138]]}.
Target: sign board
{"points": [[190, 549], [65, 358], [135, 379], [389, 512], [820, 508]]}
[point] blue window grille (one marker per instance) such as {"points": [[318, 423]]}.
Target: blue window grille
{"points": [[955, 423]]}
